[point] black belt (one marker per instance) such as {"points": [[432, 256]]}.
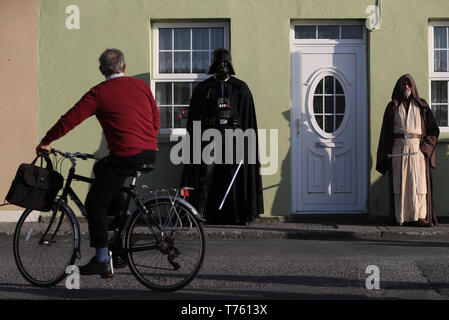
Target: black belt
{"points": [[407, 135], [215, 122]]}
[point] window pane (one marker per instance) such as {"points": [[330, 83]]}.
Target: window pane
{"points": [[329, 124], [318, 104], [329, 85], [319, 120], [328, 32], [340, 104], [440, 37], [338, 121], [200, 39], [182, 62], [439, 91], [165, 62], [440, 61], [305, 32], [180, 117], [163, 93], [200, 62], [338, 87], [182, 39], [319, 88], [329, 104], [217, 38], [165, 114], [440, 113], [181, 92], [352, 32], [165, 39]]}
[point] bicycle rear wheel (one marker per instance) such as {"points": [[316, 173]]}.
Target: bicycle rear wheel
{"points": [[42, 261], [167, 258]]}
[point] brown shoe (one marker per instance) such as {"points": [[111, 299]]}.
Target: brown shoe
{"points": [[422, 223]]}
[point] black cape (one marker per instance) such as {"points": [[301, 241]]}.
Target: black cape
{"points": [[245, 199]]}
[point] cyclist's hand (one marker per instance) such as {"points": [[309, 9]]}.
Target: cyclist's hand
{"points": [[43, 149]]}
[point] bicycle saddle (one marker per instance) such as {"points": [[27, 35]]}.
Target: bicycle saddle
{"points": [[144, 168]]}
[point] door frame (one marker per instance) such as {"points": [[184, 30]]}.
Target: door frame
{"points": [[328, 46]]}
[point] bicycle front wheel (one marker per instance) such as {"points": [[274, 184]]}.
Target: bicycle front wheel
{"points": [[44, 247], [165, 247]]}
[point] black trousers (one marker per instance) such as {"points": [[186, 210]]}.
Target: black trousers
{"points": [[110, 175]]}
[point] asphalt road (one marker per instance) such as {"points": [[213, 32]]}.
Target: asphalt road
{"points": [[269, 270]]}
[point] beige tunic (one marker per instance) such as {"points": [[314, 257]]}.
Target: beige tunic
{"points": [[409, 172]]}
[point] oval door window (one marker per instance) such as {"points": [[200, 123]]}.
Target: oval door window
{"points": [[329, 104]]}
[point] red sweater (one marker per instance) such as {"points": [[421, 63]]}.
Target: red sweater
{"points": [[126, 110]]}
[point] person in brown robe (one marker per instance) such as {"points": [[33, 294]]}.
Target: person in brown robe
{"points": [[405, 95]]}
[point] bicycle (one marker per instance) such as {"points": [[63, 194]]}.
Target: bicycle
{"points": [[162, 241]]}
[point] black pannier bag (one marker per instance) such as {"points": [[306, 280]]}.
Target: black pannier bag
{"points": [[35, 187]]}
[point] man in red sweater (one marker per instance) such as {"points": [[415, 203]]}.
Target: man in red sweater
{"points": [[129, 116]]}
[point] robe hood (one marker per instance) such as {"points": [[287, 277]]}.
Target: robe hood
{"points": [[397, 96]]}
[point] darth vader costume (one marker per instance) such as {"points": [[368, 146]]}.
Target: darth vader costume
{"points": [[223, 102]]}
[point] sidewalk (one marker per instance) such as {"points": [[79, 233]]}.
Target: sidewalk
{"points": [[266, 228]]}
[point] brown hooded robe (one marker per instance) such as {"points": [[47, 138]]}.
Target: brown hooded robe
{"points": [[430, 133]]}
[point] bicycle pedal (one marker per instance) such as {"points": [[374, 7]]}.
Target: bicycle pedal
{"points": [[108, 276], [119, 263]]}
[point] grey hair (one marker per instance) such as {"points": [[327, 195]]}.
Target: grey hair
{"points": [[111, 61]]}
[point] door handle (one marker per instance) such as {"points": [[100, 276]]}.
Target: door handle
{"points": [[298, 127], [329, 145]]}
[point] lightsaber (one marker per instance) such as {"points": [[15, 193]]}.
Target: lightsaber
{"points": [[401, 154], [230, 185]]}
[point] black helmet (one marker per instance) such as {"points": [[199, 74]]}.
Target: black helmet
{"points": [[218, 56]]}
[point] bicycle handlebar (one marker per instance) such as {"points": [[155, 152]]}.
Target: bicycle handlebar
{"points": [[71, 156]]}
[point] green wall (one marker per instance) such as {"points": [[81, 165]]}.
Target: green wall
{"points": [[260, 44]]}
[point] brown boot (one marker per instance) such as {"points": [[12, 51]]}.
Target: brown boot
{"points": [[422, 223]]}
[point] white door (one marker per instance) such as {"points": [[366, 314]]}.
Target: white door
{"points": [[329, 123]]}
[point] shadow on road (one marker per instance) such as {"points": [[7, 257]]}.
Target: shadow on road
{"points": [[23, 291]]}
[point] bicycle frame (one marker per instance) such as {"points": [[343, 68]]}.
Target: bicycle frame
{"points": [[69, 192]]}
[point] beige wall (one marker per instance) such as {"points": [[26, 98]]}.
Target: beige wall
{"points": [[18, 91]]}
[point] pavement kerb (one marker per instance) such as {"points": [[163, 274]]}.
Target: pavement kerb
{"points": [[315, 231]]}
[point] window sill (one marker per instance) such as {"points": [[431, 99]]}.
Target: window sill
{"points": [[165, 134]]}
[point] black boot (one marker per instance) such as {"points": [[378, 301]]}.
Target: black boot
{"points": [[96, 267]]}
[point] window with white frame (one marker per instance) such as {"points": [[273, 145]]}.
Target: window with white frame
{"points": [[337, 32], [439, 72], [181, 58]]}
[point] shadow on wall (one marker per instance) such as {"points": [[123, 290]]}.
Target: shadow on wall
{"points": [[144, 77], [379, 199], [165, 174], [440, 180], [281, 203]]}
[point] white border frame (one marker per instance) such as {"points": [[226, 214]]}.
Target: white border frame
{"points": [[296, 46], [173, 77], [435, 76]]}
